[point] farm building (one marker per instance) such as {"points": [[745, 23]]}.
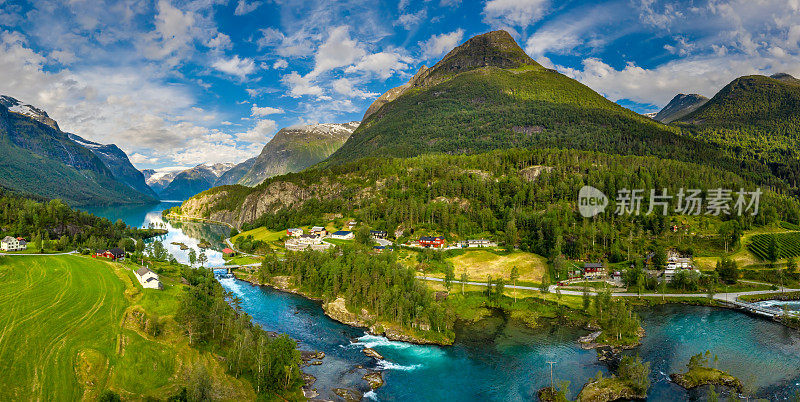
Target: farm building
{"points": [[429, 241], [593, 270], [318, 230], [343, 234], [111, 254], [294, 232], [228, 252], [477, 243], [10, 244], [147, 278]]}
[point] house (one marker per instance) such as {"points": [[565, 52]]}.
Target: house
{"points": [[378, 234], [228, 252], [117, 253], [481, 243], [593, 270], [22, 242], [343, 234], [294, 232], [305, 242], [10, 244], [309, 239], [103, 254], [319, 231], [147, 278], [380, 249], [428, 241]]}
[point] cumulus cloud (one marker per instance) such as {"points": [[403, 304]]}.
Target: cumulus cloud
{"points": [[260, 132], [280, 64], [235, 66], [339, 50], [514, 13], [346, 87], [437, 45], [257, 111], [382, 64], [300, 85]]}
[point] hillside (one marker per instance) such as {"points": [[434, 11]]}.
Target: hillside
{"points": [[679, 106], [293, 149], [192, 181], [37, 158], [236, 173], [118, 163], [757, 117], [460, 196], [487, 94]]}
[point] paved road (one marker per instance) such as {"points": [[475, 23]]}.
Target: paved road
{"points": [[552, 289]]}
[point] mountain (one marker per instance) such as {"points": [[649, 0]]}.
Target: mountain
{"points": [[679, 106], [159, 179], [118, 163], [293, 149], [755, 117], [235, 174], [37, 158], [783, 77], [488, 94], [192, 181]]}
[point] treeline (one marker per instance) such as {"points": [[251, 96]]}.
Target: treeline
{"points": [[377, 283], [526, 198], [53, 225], [212, 318]]}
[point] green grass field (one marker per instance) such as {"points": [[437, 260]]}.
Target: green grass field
{"points": [[262, 234], [68, 333], [481, 263]]}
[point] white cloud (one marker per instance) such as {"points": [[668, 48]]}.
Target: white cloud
{"points": [[280, 64], [514, 13], [243, 7], [411, 20], [173, 34], [257, 111], [438, 45], [383, 64], [235, 66], [345, 87], [260, 133], [339, 50], [299, 85], [296, 45]]}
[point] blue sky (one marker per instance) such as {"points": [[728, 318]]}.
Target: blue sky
{"points": [[177, 83]]}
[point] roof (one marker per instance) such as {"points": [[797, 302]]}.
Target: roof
{"points": [[342, 233], [308, 236], [430, 238], [142, 271], [8, 238], [293, 229], [227, 251], [318, 228], [593, 265], [117, 251], [377, 231]]}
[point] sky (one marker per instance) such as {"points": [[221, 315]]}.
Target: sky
{"points": [[178, 83]]}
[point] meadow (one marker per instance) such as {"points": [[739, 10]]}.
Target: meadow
{"points": [[72, 329]]}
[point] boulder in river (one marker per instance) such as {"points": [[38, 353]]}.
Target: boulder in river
{"points": [[374, 378], [372, 353], [347, 394]]}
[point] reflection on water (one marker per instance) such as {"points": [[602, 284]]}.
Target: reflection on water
{"points": [[189, 233]]}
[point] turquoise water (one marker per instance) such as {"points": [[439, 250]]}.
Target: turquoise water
{"points": [[501, 360]]}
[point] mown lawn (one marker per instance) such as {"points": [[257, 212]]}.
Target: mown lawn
{"points": [[68, 332], [481, 263]]}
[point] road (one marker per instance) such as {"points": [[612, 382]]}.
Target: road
{"points": [[552, 289], [40, 254]]}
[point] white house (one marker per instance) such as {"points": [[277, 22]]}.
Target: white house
{"points": [[147, 278], [480, 243], [318, 230], [11, 244], [343, 234], [294, 232]]}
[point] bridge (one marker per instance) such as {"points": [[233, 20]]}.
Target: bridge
{"points": [[229, 268]]}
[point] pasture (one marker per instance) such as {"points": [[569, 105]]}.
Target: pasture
{"points": [[478, 264], [69, 331]]}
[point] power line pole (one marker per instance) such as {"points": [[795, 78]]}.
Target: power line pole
{"points": [[551, 375]]}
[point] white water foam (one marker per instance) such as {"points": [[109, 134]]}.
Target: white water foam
{"points": [[371, 395], [387, 365]]}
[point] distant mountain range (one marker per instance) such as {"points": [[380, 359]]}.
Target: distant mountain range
{"points": [[37, 158], [293, 149], [194, 180], [680, 106]]}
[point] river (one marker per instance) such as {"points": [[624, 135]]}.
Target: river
{"points": [[499, 359]]}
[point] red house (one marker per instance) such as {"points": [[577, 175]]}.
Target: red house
{"points": [[228, 251], [435, 242]]}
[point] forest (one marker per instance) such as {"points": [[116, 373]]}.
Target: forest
{"points": [[524, 198], [53, 225], [212, 318]]}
